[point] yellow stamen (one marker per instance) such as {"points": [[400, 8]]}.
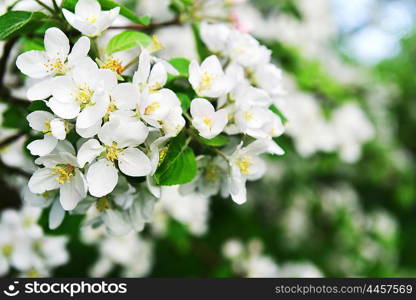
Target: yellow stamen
{"points": [[112, 152], [162, 155], [248, 115], [102, 204], [211, 172], [47, 129], [206, 81], [64, 172], [244, 163], [154, 88], [151, 108], [7, 250], [32, 273], [113, 64], [92, 19], [207, 121], [56, 65], [84, 96]]}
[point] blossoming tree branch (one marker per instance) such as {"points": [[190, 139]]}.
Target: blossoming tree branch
{"points": [[112, 123]]}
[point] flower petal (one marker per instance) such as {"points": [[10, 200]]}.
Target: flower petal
{"points": [[56, 215], [64, 110], [43, 180], [125, 95], [71, 193], [40, 90], [38, 119], [102, 178], [56, 44], [89, 151], [33, 63], [201, 107], [134, 162], [80, 50], [44, 146], [58, 128]]}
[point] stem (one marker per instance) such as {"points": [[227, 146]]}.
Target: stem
{"points": [[45, 6], [150, 27], [12, 170], [11, 139]]}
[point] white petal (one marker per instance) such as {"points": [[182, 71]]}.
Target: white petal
{"points": [[33, 63], [64, 110], [56, 215], [102, 178], [94, 113], [43, 180], [143, 71], [130, 134], [56, 43], [212, 65], [86, 8], [89, 151], [72, 192], [58, 129], [134, 162], [201, 107], [158, 76], [40, 90], [90, 131], [44, 146], [125, 95], [80, 50], [37, 119], [64, 89], [107, 79]]}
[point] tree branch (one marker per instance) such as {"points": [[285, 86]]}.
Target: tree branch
{"points": [[150, 27], [4, 169], [11, 139]]}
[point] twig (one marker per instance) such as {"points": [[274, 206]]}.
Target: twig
{"points": [[13, 170], [149, 27], [45, 6], [11, 139]]}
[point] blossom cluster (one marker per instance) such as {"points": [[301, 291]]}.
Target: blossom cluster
{"points": [[106, 134], [24, 247]]}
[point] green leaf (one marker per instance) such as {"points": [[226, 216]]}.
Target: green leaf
{"points": [[16, 22], [185, 101], [127, 40], [202, 50], [217, 141], [277, 111], [29, 44], [182, 65], [110, 4], [15, 117], [179, 165], [38, 105]]}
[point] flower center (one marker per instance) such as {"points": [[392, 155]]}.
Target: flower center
{"points": [[91, 19], [211, 172], [32, 273], [56, 65], [244, 163], [64, 172], [7, 250], [206, 81], [47, 129], [151, 108], [84, 96], [207, 121], [102, 204], [113, 64], [154, 88], [248, 116], [112, 152]]}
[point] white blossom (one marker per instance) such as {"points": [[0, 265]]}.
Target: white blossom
{"points": [[206, 120], [89, 19]]}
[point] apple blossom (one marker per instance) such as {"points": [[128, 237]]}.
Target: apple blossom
{"points": [[208, 79], [53, 128], [89, 19], [206, 120]]}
